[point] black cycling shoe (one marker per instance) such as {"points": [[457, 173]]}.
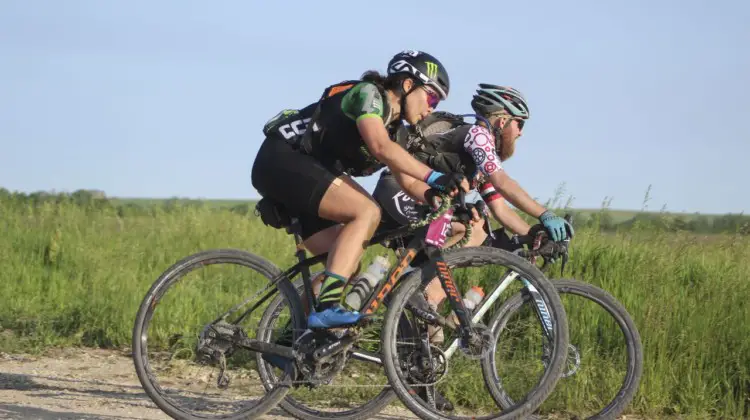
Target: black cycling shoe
{"points": [[441, 402]]}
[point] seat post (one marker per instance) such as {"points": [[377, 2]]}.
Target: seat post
{"points": [[295, 228]]}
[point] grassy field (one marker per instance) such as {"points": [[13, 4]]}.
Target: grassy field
{"points": [[76, 275]]}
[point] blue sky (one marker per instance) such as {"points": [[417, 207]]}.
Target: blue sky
{"points": [[167, 98]]}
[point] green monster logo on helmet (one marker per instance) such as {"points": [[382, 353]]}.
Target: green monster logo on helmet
{"points": [[432, 69]]}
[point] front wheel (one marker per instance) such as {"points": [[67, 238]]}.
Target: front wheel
{"points": [[188, 357], [414, 369], [595, 353]]}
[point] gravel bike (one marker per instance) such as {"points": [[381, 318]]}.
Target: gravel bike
{"points": [[316, 356]]}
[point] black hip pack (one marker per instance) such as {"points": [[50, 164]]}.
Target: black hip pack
{"points": [[272, 214]]}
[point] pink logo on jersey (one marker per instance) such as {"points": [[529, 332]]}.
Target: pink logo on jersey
{"points": [[481, 139]]}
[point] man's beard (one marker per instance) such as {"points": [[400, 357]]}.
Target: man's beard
{"points": [[506, 149]]}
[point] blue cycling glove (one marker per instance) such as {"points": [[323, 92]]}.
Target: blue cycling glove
{"points": [[556, 226], [443, 182]]}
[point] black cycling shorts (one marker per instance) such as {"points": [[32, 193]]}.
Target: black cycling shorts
{"points": [[399, 209], [295, 180]]}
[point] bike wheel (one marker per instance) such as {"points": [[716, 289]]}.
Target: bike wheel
{"points": [[178, 344], [634, 348], [488, 260], [354, 378]]}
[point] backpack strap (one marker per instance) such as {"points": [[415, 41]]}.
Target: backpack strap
{"points": [[306, 141]]}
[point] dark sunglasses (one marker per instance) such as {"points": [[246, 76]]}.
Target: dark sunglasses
{"points": [[433, 98]]}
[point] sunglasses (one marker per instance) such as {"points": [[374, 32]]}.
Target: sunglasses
{"points": [[433, 98]]}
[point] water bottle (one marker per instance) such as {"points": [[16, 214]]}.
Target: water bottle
{"points": [[472, 297], [366, 282]]}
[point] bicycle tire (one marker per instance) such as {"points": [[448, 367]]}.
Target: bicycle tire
{"points": [[167, 279], [297, 408], [475, 257], [632, 338]]}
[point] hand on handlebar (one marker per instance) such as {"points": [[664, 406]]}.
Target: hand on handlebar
{"points": [[541, 245], [558, 228], [471, 212], [447, 183]]}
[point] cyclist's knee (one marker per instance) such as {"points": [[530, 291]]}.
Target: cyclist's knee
{"points": [[372, 213], [377, 214]]}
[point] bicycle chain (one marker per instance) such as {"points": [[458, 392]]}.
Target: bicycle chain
{"points": [[304, 382], [224, 378]]}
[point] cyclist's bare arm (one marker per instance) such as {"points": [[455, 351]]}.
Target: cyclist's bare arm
{"points": [[479, 143], [513, 192], [376, 138], [416, 188], [412, 186], [507, 217]]}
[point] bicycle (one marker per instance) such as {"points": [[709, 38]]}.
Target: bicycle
{"points": [[540, 246], [318, 355]]}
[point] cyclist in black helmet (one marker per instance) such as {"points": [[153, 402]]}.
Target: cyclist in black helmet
{"points": [[446, 142], [309, 156]]}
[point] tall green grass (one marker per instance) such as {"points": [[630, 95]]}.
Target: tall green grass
{"points": [[74, 275]]}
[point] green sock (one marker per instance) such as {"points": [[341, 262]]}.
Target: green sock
{"points": [[331, 291]]}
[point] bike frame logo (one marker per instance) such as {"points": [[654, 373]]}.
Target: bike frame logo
{"points": [[432, 69]]}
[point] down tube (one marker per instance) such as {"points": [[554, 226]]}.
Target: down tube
{"points": [[542, 313]]}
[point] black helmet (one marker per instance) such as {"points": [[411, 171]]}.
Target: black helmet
{"points": [[492, 98], [424, 67]]}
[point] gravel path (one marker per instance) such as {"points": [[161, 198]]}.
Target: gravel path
{"points": [[87, 384]]}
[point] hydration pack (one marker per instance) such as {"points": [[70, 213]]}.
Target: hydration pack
{"points": [[412, 137], [434, 142]]}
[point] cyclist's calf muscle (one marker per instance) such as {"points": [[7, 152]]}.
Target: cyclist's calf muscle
{"points": [[348, 203]]}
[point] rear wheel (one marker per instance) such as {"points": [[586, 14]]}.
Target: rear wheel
{"points": [[179, 340]]}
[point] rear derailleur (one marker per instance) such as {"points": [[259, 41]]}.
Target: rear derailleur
{"points": [[216, 342]]}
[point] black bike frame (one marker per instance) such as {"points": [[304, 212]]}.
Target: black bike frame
{"points": [[436, 266]]}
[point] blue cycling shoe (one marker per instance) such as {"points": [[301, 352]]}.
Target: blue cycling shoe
{"points": [[332, 318]]}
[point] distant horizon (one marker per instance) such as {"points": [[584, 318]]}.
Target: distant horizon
{"points": [[165, 99], [244, 199]]}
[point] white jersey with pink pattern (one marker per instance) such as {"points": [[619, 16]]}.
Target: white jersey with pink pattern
{"points": [[480, 144]]}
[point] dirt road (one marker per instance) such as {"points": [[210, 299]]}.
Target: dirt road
{"points": [[86, 385]]}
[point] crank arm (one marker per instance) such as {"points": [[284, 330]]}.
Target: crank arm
{"points": [[259, 346]]}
